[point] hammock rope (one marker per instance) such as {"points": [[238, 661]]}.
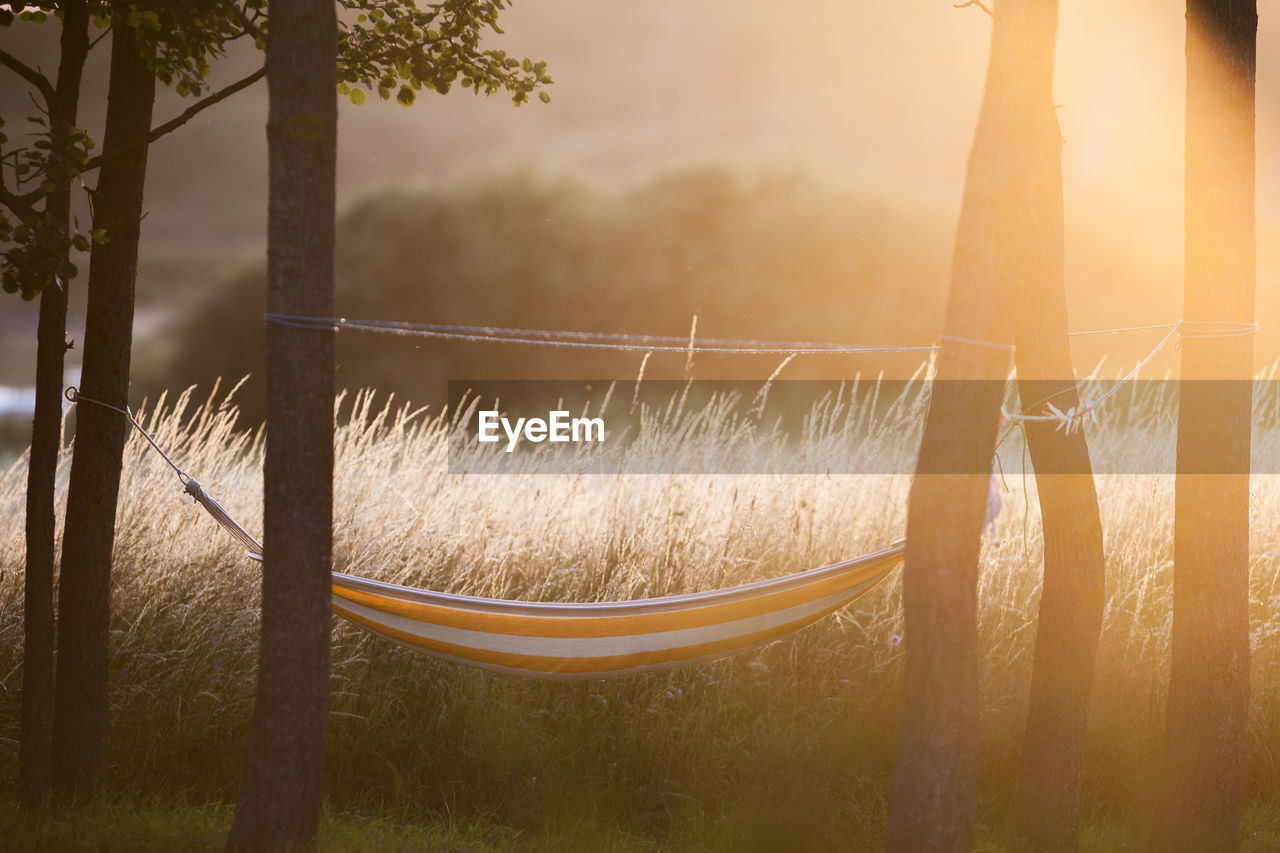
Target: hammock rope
{"points": [[581, 340], [1069, 420], [1074, 417], [624, 342]]}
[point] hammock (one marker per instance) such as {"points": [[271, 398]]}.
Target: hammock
{"points": [[606, 639], [578, 642]]}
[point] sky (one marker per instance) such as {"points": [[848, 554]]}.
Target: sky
{"points": [[877, 95], [880, 96]]}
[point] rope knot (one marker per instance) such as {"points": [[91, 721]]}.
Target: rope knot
{"points": [[1216, 328]]}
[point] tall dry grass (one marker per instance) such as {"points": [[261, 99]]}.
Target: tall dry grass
{"points": [[787, 747]]}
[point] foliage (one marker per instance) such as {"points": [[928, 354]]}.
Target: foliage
{"points": [[388, 46], [395, 47], [186, 36], [38, 245]]}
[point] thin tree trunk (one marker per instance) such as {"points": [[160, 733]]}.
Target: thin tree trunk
{"points": [[1207, 724], [34, 772], [80, 700], [1071, 601], [997, 241], [279, 805]]}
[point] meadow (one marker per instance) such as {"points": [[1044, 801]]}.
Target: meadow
{"points": [[789, 747]]}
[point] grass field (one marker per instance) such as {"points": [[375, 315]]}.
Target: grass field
{"points": [[787, 748]]}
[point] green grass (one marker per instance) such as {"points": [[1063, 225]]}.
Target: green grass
{"points": [[788, 747], [131, 825]]}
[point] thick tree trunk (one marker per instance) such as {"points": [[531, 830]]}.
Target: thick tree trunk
{"points": [[996, 243], [80, 701], [1071, 601], [34, 771], [1207, 724], [279, 806]]}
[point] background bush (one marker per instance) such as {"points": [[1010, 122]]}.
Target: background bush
{"points": [[772, 256]]}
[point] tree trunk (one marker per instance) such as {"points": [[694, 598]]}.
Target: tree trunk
{"points": [[34, 773], [80, 701], [997, 241], [1207, 723], [279, 805], [1071, 601]]}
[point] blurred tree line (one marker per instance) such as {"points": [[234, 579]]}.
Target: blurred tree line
{"points": [[776, 256]]}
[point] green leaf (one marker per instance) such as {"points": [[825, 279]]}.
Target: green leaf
{"points": [[544, 97], [405, 96], [357, 96]]}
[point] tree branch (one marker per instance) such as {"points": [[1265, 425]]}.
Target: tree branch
{"points": [[19, 204], [106, 32], [184, 117], [26, 72], [977, 3], [249, 25]]}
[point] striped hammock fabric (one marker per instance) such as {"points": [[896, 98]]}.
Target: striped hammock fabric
{"points": [[607, 639]]}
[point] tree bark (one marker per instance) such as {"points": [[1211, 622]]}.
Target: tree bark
{"points": [[279, 805], [80, 700], [1071, 601], [1207, 724], [34, 769], [997, 241]]}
